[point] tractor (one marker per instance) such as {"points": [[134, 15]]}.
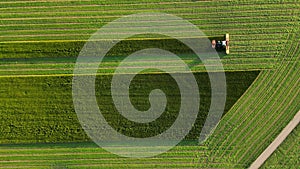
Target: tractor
{"points": [[221, 45]]}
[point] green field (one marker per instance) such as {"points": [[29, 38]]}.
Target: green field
{"points": [[287, 154], [88, 155], [42, 110], [39, 43]]}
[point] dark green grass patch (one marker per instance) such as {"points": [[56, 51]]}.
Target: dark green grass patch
{"points": [[40, 109], [22, 51]]}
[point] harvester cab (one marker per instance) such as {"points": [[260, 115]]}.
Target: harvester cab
{"points": [[221, 45]]}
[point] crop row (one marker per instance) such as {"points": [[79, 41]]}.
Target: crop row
{"points": [[280, 110], [95, 11], [287, 153], [240, 32], [290, 84], [131, 6], [189, 16], [257, 88], [273, 119], [87, 155], [162, 27]]}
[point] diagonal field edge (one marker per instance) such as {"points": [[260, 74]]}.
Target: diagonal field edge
{"points": [[278, 140]]}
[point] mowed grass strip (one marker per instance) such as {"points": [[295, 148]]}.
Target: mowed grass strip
{"points": [[238, 18], [287, 153], [270, 114], [43, 58], [249, 42], [88, 154], [283, 117], [241, 22]]}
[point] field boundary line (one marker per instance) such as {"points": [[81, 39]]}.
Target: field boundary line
{"points": [[278, 140]]}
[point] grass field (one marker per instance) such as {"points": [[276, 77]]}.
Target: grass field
{"points": [[88, 155], [287, 154], [39, 43], [42, 111]]}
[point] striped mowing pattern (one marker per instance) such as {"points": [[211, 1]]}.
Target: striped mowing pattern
{"points": [[261, 32]]}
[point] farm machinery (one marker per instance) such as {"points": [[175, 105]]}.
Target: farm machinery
{"points": [[221, 45]]}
